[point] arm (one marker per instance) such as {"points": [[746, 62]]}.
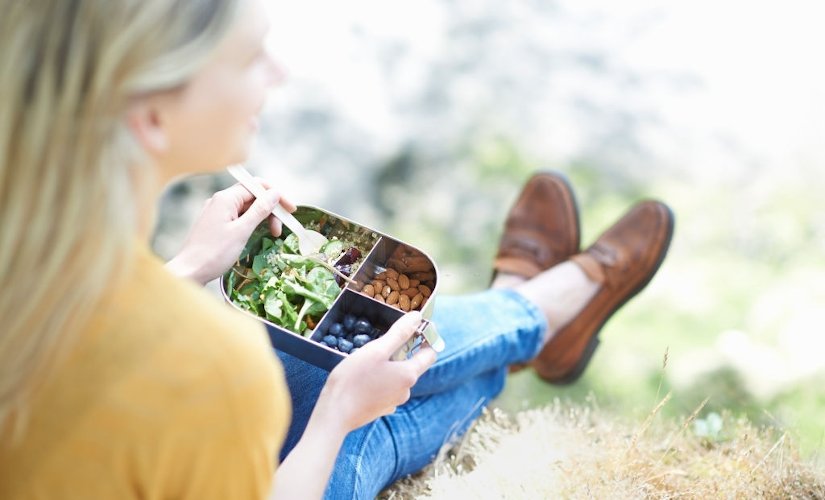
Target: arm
{"points": [[362, 388], [221, 231], [365, 386], [306, 470]]}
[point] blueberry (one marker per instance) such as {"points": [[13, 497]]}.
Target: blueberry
{"points": [[362, 326], [344, 345], [317, 335], [336, 329], [360, 340], [331, 341], [349, 321]]}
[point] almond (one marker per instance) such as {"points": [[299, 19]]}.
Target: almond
{"points": [[425, 290], [416, 301], [403, 281], [423, 276], [369, 291], [392, 298], [393, 284], [404, 303]]}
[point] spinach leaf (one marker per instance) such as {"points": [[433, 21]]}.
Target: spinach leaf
{"points": [[274, 281]]}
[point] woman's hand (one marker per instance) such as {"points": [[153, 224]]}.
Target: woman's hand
{"points": [[221, 231], [368, 385], [363, 387]]}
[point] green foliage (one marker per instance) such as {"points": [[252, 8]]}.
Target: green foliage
{"points": [[285, 287]]}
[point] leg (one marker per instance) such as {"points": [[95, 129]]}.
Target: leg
{"points": [[305, 382], [376, 455], [483, 332], [598, 282], [503, 326]]}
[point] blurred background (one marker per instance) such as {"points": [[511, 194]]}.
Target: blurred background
{"points": [[423, 119]]}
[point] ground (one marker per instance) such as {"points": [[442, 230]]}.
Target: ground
{"points": [[562, 451]]}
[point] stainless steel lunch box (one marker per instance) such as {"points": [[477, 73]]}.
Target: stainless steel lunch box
{"points": [[385, 252]]}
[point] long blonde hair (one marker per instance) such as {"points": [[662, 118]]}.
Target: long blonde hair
{"points": [[70, 170]]}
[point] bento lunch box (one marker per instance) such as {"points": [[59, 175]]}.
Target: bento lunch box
{"points": [[392, 277]]}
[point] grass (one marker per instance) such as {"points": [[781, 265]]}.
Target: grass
{"points": [[569, 451]]}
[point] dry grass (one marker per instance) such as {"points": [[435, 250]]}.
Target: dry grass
{"points": [[581, 452]]}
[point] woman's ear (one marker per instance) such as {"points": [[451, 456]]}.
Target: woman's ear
{"points": [[145, 120]]}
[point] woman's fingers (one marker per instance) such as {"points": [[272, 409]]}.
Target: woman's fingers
{"points": [[236, 195], [275, 226], [422, 360], [399, 333], [288, 205], [260, 209], [369, 384]]}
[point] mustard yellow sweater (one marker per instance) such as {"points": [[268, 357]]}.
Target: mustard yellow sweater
{"points": [[168, 394]]}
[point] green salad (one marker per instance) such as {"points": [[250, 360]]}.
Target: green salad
{"points": [[274, 281]]}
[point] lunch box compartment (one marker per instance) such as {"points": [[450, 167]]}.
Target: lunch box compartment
{"points": [[416, 267]]}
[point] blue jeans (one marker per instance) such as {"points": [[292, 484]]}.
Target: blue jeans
{"points": [[485, 333]]}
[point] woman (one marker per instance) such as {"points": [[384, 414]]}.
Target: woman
{"points": [[118, 379]]}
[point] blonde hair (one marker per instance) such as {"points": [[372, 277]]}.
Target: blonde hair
{"points": [[71, 173]]}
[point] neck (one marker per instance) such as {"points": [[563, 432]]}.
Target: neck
{"points": [[146, 223], [148, 191]]}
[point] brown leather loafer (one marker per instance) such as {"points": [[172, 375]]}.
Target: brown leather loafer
{"points": [[623, 260], [542, 227]]}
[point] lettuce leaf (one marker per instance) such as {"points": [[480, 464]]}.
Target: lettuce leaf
{"points": [[281, 285]]}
